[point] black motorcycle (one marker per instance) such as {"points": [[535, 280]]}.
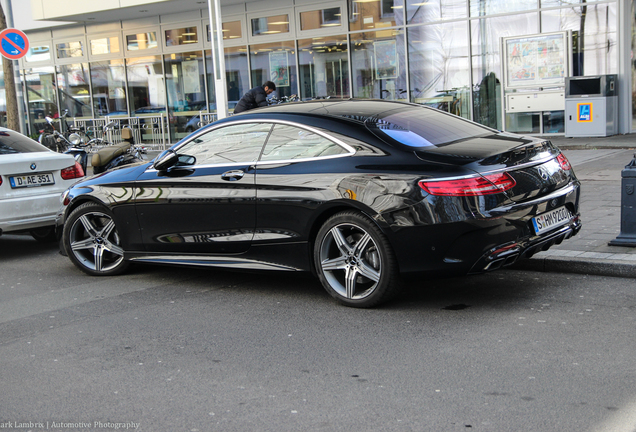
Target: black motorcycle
{"points": [[114, 155]]}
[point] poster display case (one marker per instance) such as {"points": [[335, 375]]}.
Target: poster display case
{"points": [[539, 60]]}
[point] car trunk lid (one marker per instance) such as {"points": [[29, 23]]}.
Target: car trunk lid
{"points": [[537, 166], [33, 163]]}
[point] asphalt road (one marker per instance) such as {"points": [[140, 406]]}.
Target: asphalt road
{"points": [[178, 349]]}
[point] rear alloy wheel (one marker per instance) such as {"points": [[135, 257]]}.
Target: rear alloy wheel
{"points": [[355, 262], [92, 242]]}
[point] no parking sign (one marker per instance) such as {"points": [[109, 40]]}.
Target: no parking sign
{"points": [[14, 44]]}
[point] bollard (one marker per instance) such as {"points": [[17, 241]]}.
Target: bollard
{"points": [[627, 237]]}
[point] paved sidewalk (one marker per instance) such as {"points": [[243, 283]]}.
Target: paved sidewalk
{"points": [[598, 163]]}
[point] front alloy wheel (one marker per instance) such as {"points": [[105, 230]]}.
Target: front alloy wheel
{"points": [[355, 262], [92, 242]]}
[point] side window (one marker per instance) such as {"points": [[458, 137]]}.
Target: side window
{"points": [[230, 144], [289, 142]]}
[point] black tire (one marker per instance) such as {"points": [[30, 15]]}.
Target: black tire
{"points": [[92, 242], [44, 234], [355, 262]]}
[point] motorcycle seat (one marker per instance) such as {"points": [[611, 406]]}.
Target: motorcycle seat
{"points": [[107, 154]]}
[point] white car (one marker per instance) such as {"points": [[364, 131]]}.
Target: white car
{"points": [[32, 179]]}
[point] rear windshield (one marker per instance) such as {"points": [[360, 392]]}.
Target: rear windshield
{"points": [[13, 142], [418, 127]]}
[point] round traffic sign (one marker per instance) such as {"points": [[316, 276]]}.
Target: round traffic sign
{"points": [[14, 44]]}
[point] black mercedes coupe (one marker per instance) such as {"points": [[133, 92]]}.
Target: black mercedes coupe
{"points": [[359, 192]]}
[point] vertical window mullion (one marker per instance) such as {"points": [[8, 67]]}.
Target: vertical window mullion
{"points": [[350, 61]]}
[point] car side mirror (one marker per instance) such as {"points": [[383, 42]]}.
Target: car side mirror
{"points": [[186, 160], [110, 125], [165, 160]]}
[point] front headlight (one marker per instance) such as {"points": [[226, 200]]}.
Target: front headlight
{"points": [[74, 139]]}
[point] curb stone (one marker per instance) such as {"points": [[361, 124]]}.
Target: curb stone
{"points": [[592, 267]]}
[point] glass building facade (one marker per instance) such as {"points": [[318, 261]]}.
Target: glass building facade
{"points": [[448, 54]]}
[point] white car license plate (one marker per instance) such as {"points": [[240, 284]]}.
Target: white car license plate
{"points": [[552, 219], [32, 180]]}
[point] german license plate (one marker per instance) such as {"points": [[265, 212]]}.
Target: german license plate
{"points": [[552, 219], [32, 180]]}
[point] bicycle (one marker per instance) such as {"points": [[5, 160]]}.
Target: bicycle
{"points": [[282, 99]]}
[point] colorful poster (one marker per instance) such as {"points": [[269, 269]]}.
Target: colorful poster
{"points": [[536, 60], [386, 62], [279, 68]]}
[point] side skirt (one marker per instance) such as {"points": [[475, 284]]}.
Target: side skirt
{"points": [[212, 261]]}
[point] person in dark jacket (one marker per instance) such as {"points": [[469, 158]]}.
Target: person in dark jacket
{"points": [[257, 97]]}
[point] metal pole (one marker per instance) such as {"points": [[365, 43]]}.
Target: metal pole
{"points": [[624, 17], [16, 73], [218, 57]]}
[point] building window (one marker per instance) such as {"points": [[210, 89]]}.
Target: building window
{"points": [[182, 36], [146, 92], [185, 83], [370, 14], [236, 73], [74, 90], [70, 50], [426, 11], [439, 66], [486, 62], [324, 67], [38, 53], [594, 36], [107, 45], [145, 85], [378, 64], [270, 25], [109, 88], [42, 101], [141, 41], [320, 19], [232, 30], [489, 7], [275, 62]]}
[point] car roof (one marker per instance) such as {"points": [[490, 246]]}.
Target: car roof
{"points": [[358, 110]]}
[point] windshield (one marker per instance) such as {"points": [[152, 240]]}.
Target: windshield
{"points": [[13, 142], [418, 127]]}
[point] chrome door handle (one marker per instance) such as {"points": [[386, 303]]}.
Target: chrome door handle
{"points": [[233, 175]]}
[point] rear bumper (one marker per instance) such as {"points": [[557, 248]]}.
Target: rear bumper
{"points": [[506, 255], [474, 240], [527, 245], [25, 213]]}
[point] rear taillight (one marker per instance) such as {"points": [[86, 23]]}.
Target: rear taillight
{"points": [[471, 186], [564, 162], [0, 180], [72, 172]]}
